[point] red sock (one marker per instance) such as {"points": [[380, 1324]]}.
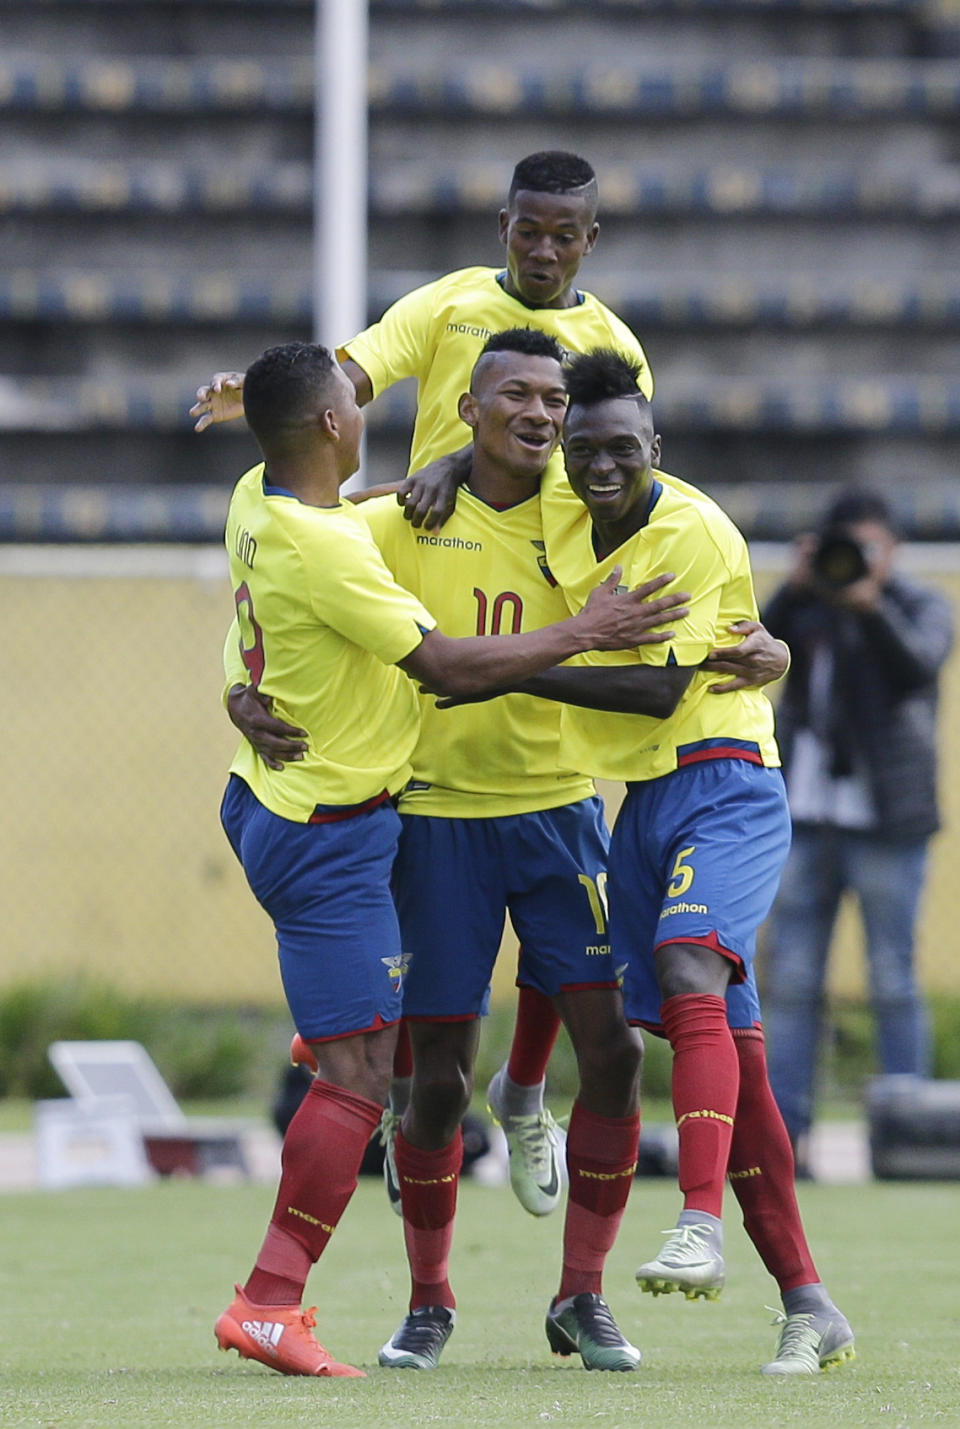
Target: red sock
{"points": [[533, 1037], [761, 1171], [602, 1160], [706, 1075], [321, 1157], [403, 1056], [428, 1194]]}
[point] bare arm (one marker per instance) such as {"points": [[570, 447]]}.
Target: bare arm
{"points": [[757, 660], [653, 690], [482, 664]]}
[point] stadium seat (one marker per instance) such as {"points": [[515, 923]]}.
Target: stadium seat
{"points": [[120, 1081]]}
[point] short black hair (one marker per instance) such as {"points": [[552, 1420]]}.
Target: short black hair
{"points": [[860, 503], [596, 376], [280, 389], [552, 171], [531, 341]]}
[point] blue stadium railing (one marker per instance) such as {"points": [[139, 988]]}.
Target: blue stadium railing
{"points": [[836, 89]]}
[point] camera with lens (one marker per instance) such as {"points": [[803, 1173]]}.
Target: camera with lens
{"points": [[839, 560]]}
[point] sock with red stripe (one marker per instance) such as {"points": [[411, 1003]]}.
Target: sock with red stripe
{"points": [[534, 1035], [706, 1075], [320, 1163], [428, 1197], [602, 1161], [761, 1171]]}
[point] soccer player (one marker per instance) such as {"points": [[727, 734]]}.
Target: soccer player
{"points": [[697, 847], [331, 637], [491, 816], [435, 334]]}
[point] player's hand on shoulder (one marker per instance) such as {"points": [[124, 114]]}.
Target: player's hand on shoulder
{"points": [[276, 742], [756, 660], [627, 618], [429, 496], [221, 400]]}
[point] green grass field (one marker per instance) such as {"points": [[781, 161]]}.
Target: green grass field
{"points": [[109, 1298]]}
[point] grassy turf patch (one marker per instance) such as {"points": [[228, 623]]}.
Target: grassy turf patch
{"points": [[109, 1299]]}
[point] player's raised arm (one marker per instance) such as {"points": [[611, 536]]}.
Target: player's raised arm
{"points": [[221, 399], [612, 619]]}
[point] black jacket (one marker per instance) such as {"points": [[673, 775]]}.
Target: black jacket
{"points": [[888, 664]]}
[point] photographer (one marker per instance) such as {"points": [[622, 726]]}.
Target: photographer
{"points": [[857, 730]]}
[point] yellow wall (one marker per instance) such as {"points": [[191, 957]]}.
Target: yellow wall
{"points": [[112, 861]]}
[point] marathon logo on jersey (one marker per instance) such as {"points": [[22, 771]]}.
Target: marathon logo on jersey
{"points": [[597, 950], [453, 543], [267, 1333], [548, 575], [469, 330], [396, 967], [684, 908]]}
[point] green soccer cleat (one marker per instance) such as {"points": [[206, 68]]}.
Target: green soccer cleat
{"points": [[387, 1131], [418, 1342], [810, 1343], [537, 1147], [689, 1262], [584, 1323]]}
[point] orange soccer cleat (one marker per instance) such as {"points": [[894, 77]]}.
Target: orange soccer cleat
{"points": [[279, 1337], [301, 1054]]}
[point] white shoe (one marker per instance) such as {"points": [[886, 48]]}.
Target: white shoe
{"points": [[537, 1147], [387, 1130], [810, 1343], [689, 1262]]}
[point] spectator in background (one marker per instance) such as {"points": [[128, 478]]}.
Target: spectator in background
{"points": [[857, 731]]}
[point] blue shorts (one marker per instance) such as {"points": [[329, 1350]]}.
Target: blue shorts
{"points": [[696, 857], [454, 879], [326, 887]]}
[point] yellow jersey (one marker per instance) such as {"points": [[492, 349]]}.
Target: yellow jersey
{"points": [[321, 625], [688, 534], [435, 334], [485, 572]]}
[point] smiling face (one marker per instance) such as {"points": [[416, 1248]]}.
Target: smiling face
{"points": [[610, 450], [547, 236], [515, 407]]}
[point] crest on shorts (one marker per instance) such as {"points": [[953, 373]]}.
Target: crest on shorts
{"points": [[396, 967]]}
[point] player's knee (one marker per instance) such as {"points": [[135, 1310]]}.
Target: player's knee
{"points": [[686, 968], [441, 1094], [612, 1065]]}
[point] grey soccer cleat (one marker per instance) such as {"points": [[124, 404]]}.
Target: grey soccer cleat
{"points": [[537, 1147], [812, 1342], [387, 1130], [689, 1262]]}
